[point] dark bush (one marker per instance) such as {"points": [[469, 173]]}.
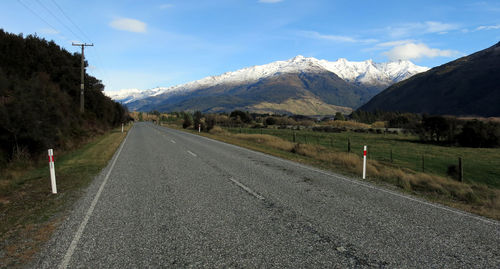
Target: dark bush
{"points": [[210, 122], [243, 116], [479, 134], [270, 121], [187, 121], [453, 171], [339, 116]]}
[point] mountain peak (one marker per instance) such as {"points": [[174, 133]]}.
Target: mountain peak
{"points": [[298, 57], [365, 74]]}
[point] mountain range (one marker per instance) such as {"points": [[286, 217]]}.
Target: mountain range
{"points": [[301, 85], [468, 86]]}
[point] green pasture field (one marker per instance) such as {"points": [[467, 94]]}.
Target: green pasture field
{"points": [[481, 165]]}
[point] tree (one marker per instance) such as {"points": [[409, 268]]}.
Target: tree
{"points": [[435, 128], [270, 121], [479, 134], [197, 119], [211, 121], [339, 116], [243, 116], [187, 121]]}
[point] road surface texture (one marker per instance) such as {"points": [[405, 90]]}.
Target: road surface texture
{"points": [[173, 199]]}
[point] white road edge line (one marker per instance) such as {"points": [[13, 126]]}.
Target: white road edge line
{"points": [[354, 181], [191, 153], [65, 262], [247, 189]]}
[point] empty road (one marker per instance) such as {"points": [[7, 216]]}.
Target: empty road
{"points": [[173, 199]]}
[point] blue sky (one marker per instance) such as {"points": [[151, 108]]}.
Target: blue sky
{"points": [[144, 44]]}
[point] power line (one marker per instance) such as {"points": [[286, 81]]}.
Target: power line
{"points": [[99, 70], [36, 14], [70, 20], [99, 60], [57, 18]]}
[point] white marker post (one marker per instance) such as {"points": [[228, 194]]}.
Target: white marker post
{"points": [[364, 162], [122, 127], [52, 171], [199, 127]]}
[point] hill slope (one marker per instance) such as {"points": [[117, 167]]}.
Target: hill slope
{"points": [[467, 86]]}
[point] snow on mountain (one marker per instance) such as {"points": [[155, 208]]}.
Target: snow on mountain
{"points": [[369, 73], [126, 96], [366, 73]]}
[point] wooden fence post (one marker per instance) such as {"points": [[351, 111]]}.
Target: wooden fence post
{"points": [[423, 163], [460, 170]]}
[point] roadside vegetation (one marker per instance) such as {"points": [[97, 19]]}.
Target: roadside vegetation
{"points": [[404, 151], [39, 110], [29, 211], [40, 100]]}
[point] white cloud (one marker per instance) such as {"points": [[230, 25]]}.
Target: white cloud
{"points": [[49, 31], [166, 6], [395, 43], [130, 25], [428, 27], [412, 51], [438, 27], [270, 1], [488, 27], [336, 38]]}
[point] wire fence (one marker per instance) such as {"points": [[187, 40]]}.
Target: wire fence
{"points": [[400, 151]]}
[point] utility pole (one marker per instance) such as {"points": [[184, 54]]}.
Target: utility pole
{"points": [[82, 85]]}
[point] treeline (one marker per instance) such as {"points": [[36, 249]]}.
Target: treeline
{"points": [[444, 130], [447, 130], [40, 96], [238, 118]]}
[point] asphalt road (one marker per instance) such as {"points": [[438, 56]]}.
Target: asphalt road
{"points": [[172, 199]]}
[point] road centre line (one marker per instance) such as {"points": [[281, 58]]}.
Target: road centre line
{"points": [[247, 189], [172, 141], [192, 153]]}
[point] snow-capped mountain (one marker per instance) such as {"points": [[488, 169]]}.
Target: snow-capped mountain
{"points": [[130, 95], [366, 73], [369, 73]]}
